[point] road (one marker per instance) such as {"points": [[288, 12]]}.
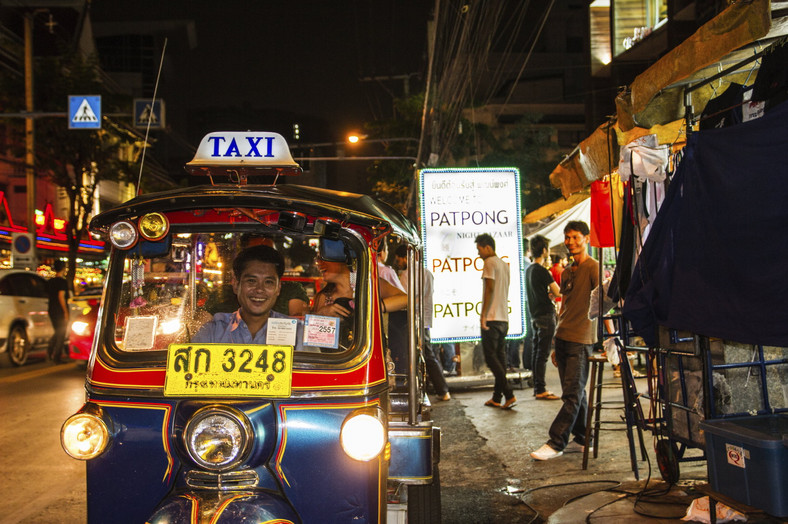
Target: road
{"points": [[40, 483], [486, 472]]}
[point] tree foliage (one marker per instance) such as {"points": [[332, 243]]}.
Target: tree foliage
{"points": [[76, 160], [525, 144]]}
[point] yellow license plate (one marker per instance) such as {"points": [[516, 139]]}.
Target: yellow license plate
{"points": [[229, 370]]}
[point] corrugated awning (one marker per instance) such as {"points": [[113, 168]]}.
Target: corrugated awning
{"points": [[654, 102]]}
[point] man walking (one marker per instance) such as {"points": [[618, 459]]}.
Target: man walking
{"points": [[494, 319], [57, 289], [573, 344]]}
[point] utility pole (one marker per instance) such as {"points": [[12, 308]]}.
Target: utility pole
{"points": [[29, 138]]}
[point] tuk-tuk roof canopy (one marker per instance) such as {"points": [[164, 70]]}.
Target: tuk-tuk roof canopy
{"points": [[350, 207]]}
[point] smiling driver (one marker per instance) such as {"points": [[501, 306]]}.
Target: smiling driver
{"points": [[257, 271]]}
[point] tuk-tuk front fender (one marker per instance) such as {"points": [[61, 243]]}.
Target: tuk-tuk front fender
{"points": [[224, 508]]}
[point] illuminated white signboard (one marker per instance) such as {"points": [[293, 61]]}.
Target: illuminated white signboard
{"points": [[457, 205]]}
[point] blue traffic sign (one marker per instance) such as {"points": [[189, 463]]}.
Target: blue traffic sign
{"points": [[149, 112], [84, 112]]}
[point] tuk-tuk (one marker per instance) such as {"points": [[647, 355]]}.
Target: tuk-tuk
{"points": [[310, 424]]}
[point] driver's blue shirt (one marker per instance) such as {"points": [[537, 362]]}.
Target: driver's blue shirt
{"points": [[230, 328]]}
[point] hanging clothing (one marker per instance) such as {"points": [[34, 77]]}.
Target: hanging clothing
{"points": [[725, 205]]}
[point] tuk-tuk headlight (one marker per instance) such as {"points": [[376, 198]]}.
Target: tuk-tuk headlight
{"points": [[218, 437], [153, 226], [363, 436], [123, 235], [84, 436]]}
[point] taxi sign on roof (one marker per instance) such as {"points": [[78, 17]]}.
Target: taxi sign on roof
{"points": [[249, 151]]}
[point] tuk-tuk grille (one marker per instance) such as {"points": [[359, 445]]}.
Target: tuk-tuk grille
{"points": [[222, 481]]}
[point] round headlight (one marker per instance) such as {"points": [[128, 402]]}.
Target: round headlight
{"points": [[153, 226], [123, 235], [218, 437], [363, 436], [84, 436]]}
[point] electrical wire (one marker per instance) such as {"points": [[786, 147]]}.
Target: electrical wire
{"points": [[153, 104]]}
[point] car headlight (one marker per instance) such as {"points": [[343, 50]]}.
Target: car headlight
{"points": [[84, 436], [123, 235], [218, 437], [80, 327], [363, 436]]}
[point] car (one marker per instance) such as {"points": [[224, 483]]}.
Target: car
{"points": [[80, 335], [83, 301], [25, 327]]}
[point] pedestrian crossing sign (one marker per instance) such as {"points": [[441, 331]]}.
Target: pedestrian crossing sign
{"points": [[148, 111], [84, 112]]}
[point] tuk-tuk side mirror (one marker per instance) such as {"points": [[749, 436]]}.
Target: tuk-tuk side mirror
{"points": [[333, 250]]}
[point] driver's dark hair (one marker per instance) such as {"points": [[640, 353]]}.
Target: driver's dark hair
{"points": [[261, 253]]}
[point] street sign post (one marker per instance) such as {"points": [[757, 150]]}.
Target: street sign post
{"points": [[147, 110], [84, 112], [23, 251]]}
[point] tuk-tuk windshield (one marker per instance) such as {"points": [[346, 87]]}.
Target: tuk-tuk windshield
{"points": [[182, 291]]}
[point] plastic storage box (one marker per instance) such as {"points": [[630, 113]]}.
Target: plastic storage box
{"points": [[747, 460]]}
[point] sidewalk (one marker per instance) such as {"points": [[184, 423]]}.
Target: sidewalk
{"points": [[559, 490]]}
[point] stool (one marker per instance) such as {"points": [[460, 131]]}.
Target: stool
{"points": [[595, 404]]}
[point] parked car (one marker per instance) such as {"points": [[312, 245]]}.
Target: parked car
{"points": [[25, 327], [84, 312]]}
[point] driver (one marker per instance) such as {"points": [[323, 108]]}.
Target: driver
{"points": [[257, 273]]}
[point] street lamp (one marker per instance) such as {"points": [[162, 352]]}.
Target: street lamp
{"points": [[354, 139]]}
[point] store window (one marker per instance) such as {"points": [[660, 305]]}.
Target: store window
{"points": [[634, 20]]}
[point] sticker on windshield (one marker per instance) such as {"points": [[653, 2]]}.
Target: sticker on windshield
{"points": [[321, 331], [281, 331], [140, 333]]}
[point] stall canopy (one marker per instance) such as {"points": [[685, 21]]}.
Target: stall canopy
{"points": [[551, 225], [654, 102]]}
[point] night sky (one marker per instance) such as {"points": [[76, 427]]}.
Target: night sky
{"points": [[296, 56]]}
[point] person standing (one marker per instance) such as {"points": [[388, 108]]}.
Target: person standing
{"points": [[57, 289], [434, 369], [494, 319], [539, 286], [573, 344]]}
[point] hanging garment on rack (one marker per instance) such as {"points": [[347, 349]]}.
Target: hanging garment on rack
{"points": [[606, 209], [627, 252], [644, 158], [725, 109], [771, 84], [726, 203]]}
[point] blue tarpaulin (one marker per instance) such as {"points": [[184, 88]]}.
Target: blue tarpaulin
{"points": [[715, 260]]}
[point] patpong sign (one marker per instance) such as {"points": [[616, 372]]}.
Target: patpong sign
{"points": [[457, 205]]}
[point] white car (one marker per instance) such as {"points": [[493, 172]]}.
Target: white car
{"points": [[24, 319]]}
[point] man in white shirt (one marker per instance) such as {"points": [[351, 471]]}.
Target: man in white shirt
{"points": [[494, 319]]}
